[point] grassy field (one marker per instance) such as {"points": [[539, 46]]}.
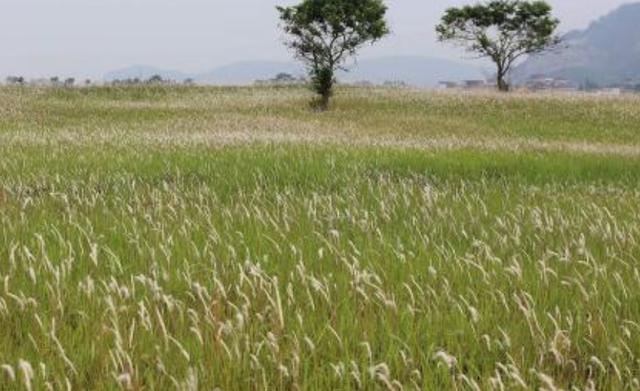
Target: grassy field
{"points": [[201, 238]]}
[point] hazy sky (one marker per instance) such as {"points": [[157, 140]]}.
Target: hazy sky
{"points": [[86, 38]]}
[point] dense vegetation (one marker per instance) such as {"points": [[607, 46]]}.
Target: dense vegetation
{"points": [[194, 238]]}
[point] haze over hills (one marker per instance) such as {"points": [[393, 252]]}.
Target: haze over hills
{"points": [[246, 72], [606, 53], [413, 70], [143, 72]]}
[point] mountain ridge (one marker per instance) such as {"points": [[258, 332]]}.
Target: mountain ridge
{"points": [[418, 71], [607, 52]]}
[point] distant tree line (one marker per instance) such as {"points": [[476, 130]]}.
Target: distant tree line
{"points": [[54, 81], [15, 80], [155, 80], [70, 82]]}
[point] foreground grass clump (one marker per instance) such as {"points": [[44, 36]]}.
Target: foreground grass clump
{"points": [[203, 238]]}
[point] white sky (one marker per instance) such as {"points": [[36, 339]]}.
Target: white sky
{"points": [[86, 38]]}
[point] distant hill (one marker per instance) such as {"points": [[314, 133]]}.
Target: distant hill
{"points": [[413, 70], [606, 53], [247, 72], [144, 72]]}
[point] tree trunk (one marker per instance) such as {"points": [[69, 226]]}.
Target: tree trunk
{"points": [[323, 102], [322, 83], [503, 86]]}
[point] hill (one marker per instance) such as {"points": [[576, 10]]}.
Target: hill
{"points": [[606, 53], [143, 72], [413, 70], [247, 72]]}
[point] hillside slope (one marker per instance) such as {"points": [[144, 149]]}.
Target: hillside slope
{"points": [[606, 53]]}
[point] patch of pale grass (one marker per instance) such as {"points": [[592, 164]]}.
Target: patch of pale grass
{"points": [[171, 139]]}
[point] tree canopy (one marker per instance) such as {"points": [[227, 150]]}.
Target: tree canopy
{"points": [[502, 30], [324, 33]]}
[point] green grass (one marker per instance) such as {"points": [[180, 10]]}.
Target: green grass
{"points": [[194, 238]]}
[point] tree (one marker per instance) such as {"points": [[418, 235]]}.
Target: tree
{"points": [[155, 79], [283, 77], [15, 80], [502, 30], [324, 33]]}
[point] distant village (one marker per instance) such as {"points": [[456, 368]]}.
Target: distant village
{"points": [[542, 83], [537, 83]]}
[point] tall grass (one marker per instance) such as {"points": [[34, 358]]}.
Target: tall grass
{"points": [[142, 247]]}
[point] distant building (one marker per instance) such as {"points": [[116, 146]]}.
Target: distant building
{"points": [[42, 82], [629, 86], [395, 84], [370, 84], [474, 84], [465, 85], [447, 85], [540, 82], [363, 83], [609, 91]]}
